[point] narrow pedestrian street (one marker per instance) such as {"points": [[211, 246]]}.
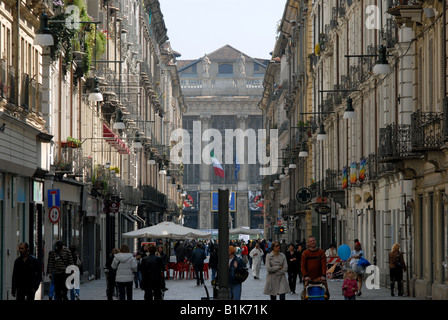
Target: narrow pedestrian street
{"points": [[186, 289]]}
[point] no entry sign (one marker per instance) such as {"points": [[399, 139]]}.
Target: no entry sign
{"points": [[54, 214]]}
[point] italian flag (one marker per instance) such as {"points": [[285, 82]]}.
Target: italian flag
{"points": [[219, 171]]}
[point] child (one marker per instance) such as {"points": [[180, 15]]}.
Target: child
{"points": [[350, 285]]}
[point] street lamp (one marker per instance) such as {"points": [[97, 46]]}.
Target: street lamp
{"points": [[43, 36], [322, 135], [303, 152], [349, 111], [95, 95], [119, 124], [137, 144], [382, 65]]}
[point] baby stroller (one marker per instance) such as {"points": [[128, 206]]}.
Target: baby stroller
{"points": [[315, 290]]}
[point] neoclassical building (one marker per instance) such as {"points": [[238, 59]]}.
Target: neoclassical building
{"points": [[222, 90]]}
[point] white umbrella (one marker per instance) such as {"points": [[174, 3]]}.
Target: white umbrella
{"points": [[167, 230], [241, 230]]}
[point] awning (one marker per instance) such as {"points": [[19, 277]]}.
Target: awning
{"points": [[114, 140]]}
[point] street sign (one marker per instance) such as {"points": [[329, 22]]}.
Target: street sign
{"points": [[54, 198], [323, 209], [54, 214], [304, 195]]}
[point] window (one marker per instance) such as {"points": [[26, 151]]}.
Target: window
{"points": [[225, 70]]}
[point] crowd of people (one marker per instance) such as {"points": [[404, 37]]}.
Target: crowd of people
{"points": [[286, 264]]}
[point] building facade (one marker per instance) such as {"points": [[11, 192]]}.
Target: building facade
{"points": [[222, 91], [82, 122], [374, 97]]}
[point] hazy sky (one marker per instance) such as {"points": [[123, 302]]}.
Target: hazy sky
{"points": [[197, 27]]}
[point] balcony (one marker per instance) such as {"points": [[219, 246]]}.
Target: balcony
{"points": [[395, 143], [153, 197], [426, 131], [404, 11], [333, 180]]}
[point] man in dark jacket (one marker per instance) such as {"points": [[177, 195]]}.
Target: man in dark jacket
{"points": [[58, 261], [26, 275], [152, 268], [197, 259]]}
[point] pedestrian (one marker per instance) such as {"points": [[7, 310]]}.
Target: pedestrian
{"points": [[250, 247], [111, 274], [299, 258], [314, 265], [197, 259], [138, 274], [350, 285], [235, 264], [277, 267], [244, 253], [256, 255], [293, 267], [283, 246], [396, 268], [152, 275], [353, 260], [74, 292], [180, 253], [213, 262], [26, 274], [125, 264], [58, 261]]}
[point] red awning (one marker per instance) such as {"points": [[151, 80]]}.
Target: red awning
{"points": [[114, 140]]}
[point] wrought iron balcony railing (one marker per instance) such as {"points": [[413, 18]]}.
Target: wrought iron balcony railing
{"points": [[395, 143], [333, 180], [426, 131], [153, 196]]}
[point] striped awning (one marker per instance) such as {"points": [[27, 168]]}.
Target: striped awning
{"points": [[114, 140]]}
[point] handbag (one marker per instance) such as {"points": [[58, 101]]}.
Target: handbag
{"points": [[362, 262], [241, 274], [398, 261]]}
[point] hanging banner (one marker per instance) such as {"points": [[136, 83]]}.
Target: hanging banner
{"points": [[353, 172], [344, 178], [362, 170]]}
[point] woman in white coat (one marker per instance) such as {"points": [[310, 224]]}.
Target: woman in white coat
{"points": [[277, 266], [256, 254], [125, 264]]}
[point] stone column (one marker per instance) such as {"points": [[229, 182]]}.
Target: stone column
{"points": [[242, 202], [205, 215]]}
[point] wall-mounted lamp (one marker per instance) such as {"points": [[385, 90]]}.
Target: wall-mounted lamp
{"points": [[151, 159], [119, 124], [321, 135], [382, 65], [303, 151], [349, 111], [292, 165], [162, 170], [137, 143], [43, 36], [95, 94], [283, 174]]}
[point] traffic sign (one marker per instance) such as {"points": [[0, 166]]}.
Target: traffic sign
{"points": [[54, 198], [304, 195], [54, 214]]}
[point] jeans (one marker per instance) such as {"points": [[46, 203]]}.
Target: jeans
{"points": [[350, 298], [235, 291], [125, 290]]}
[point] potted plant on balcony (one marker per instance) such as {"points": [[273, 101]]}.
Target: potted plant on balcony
{"points": [[73, 142]]}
